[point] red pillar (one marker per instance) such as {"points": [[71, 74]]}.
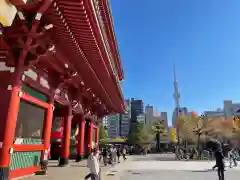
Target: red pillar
{"points": [[10, 122], [81, 134], [65, 149], [90, 135], [97, 137], [47, 130]]}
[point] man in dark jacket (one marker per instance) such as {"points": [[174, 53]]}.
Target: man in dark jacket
{"points": [[220, 163]]}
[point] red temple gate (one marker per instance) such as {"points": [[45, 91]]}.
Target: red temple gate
{"points": [[57, 59]]}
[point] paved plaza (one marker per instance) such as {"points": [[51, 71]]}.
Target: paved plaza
{"points": [[154, 167], [150, 167]]}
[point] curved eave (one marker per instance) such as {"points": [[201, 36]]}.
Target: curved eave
{"points": [[67, 44], [107, 16], [75, 33], [105, 58]]}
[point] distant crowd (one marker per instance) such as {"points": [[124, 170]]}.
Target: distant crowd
{"points": [[193, 153], [109, 155], [218, 154]]}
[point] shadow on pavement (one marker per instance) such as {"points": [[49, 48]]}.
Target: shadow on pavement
{"points": [[205, 170]]}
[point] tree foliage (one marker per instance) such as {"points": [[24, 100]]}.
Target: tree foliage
{"points": [[196, 129], [158, 130], [140, 134], [180, 125], [134, 131], [145, 136], [236, 131], [102, 132], [200, 129]]}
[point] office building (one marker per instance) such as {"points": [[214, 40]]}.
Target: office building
{"points": [[151, 113], [164, 116], [148, 114], [141, 118], [137, 108], [229, 110], [105, 121], [125, 120], [113, 126]]}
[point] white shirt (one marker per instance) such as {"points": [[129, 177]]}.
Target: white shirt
{"points": [[93, 164], [114, 152]]}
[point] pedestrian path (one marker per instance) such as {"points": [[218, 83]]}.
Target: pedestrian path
{"points": [[174, 165], [74, 171]]}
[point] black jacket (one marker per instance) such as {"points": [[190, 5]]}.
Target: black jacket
{"points": [[219, 158]]}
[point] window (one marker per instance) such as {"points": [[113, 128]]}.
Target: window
{"points": [[30, 121]]}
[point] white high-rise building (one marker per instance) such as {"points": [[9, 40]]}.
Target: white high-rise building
{"points": [[164, 117], [148, 114], [141, 118], [113, 126], [105, 121], [151, 114], [125, 120]]}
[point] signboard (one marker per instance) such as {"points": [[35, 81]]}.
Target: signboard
{"points": [[173, 135]]}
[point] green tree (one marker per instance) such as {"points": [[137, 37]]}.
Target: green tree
{"points": [[158, 129], [145, 136], [134, 131], [201, 128], [179, 124], [102, 132]]}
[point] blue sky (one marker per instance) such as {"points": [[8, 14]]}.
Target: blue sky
{"points": [[201, 36]]}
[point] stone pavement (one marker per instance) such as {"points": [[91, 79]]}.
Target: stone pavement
{"points": [[153, 167], [174, 165], [141, 168], [177, 175], [74, 171]]}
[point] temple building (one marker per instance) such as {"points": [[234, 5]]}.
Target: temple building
{"points": [[60, 73]]}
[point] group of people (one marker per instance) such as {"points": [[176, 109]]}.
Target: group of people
{"points": [[186, 154], [112, 154], [109, 155]]}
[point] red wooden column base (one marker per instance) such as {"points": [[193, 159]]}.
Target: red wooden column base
{"points": [[97, 137], [67, 134], [9, 131], [47, 135], [90, 137], [81, 134]]}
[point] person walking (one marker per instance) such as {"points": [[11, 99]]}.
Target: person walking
{"points": [[93, 165], [232, 158], [105, 155], [124, 153], [219, 163], [118, 154], [114, 154], [110, 154]]}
